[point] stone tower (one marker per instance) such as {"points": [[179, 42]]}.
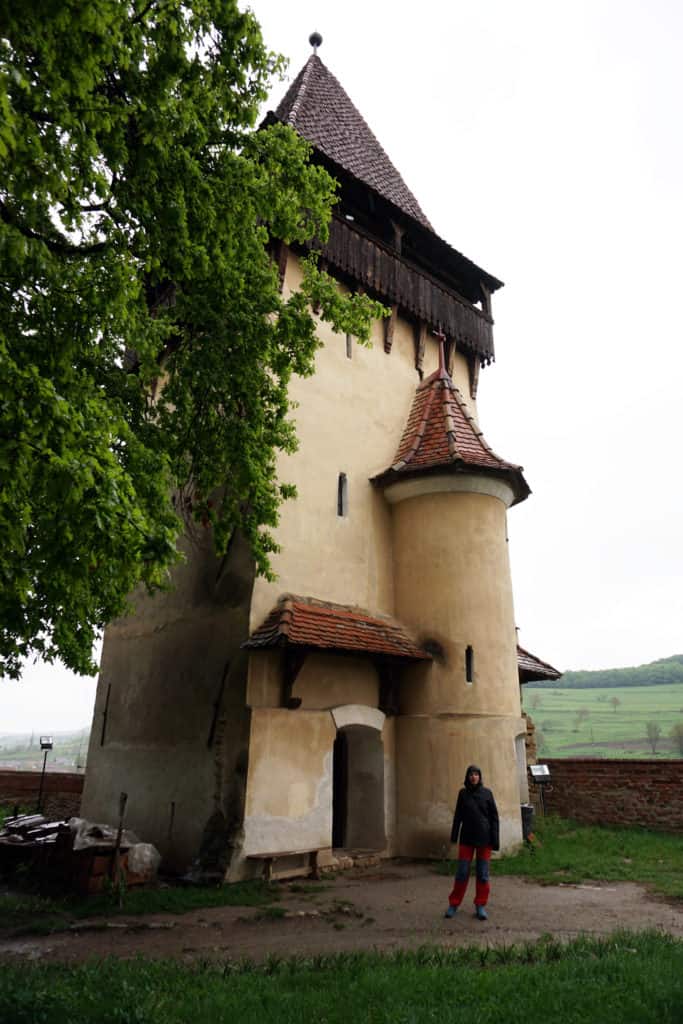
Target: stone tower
{"points": [[335, 709]]}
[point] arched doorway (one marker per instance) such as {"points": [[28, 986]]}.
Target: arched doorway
{"points": [[358, 789]]}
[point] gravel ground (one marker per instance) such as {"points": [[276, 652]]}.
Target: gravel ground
{"points": [[398, 905]]}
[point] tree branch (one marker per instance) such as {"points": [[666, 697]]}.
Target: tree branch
{"points": [[141, 15], [55, 245]]}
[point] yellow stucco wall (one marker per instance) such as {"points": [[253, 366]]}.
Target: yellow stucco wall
{"points": [[349, 419], [428, 786], [324, 681], [289, 801], [289, 791], [327, 680], [453, 585]]}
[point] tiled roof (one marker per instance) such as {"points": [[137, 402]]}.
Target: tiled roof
{"points": [[306, 622], [532, 668], [318, 108], [441, 434]]}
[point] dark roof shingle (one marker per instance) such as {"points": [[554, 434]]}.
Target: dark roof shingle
{"points": [[307, 622], [532, 668], [318, 108]]}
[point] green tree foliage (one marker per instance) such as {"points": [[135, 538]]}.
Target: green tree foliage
{"points": [[677, 737], [581, 715], [137, 205], [654, 732], [656, 673]]}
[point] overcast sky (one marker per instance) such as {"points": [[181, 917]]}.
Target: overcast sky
{"points": [[543, 140]]}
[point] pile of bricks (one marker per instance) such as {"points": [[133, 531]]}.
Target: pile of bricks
{"points": [[45, 850]]}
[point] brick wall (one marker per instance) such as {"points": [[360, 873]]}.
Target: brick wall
{"points": [[607, 792], [61, 792]]}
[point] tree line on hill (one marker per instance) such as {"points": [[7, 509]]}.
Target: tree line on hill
{"points": [[656, 673]]}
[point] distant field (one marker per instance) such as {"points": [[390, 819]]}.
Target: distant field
{"points": [[23, 751], [571, 723], [575, 723]]}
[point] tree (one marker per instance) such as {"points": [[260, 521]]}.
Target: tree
{"points": [[615, 702], [581, 715], [677, 736], [145, 346], [654, 731]]}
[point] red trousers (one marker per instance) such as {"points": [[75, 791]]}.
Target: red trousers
{"points": [[462, 875]]}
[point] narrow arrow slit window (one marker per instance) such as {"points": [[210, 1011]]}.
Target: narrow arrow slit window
{"points": [[469, 664], [342, 495]]}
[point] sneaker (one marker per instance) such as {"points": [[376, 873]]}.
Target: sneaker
{"points": [[481, 914], [450, 912]]}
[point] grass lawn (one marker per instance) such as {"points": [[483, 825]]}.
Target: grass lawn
{"points": [[564, 851], [585, 722], [629, 977]]}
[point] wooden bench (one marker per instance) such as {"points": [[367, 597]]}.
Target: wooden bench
{"points": [[271, 872]]}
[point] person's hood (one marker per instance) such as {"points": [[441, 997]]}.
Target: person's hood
{"points": [[473, 768]]}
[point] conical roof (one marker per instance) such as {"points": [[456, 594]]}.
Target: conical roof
{"points": [[318, 108], [442, 435]]}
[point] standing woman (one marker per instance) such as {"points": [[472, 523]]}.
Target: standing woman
{"points": [[477, 815]]}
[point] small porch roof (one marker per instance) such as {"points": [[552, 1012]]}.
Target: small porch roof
{"points": [[310, 624], [532, 669]]}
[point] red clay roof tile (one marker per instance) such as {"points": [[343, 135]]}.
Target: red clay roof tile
{"points": [[441, 434], [307, 622]]}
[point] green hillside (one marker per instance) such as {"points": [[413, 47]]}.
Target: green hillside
{"points": [[605, 722], [657, 673]]}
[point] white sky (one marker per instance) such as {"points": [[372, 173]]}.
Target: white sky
{"points": [[543, 140]]}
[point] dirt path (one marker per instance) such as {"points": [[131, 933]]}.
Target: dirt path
{"points": [[396, 906]]}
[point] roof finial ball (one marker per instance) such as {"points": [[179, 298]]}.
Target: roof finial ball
{"points": [[315, 39]]}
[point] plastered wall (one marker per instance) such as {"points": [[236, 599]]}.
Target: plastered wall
{"points": [[453, 587], [170, 725], [324, 680], [350, 418], [428, 785]]}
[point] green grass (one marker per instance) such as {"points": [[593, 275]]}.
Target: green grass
{"points": [[606, 731], [31, 914], [628, 977], [564, 851]]}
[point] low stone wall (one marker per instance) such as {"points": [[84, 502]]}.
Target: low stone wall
{"points": [[606, 792], [61, 792]]}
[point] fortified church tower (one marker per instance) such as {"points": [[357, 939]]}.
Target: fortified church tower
{"points": [[334, 710]]}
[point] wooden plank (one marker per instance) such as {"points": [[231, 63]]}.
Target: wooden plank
{"points": [[271, 872], [389, 328], [420, 344]]}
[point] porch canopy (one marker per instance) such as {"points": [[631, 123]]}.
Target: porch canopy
{"points": [[301, 625], [532, 669]]}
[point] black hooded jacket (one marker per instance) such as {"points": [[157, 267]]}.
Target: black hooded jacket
{"points": [[477, 813]]}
